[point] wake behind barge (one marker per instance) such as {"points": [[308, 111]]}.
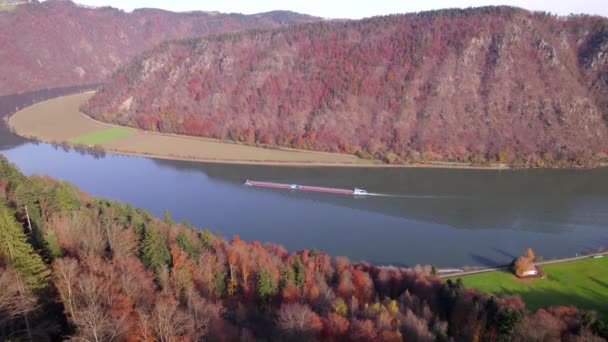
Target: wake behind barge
{"points": [[355, 191]]}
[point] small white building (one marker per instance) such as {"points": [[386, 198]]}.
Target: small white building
{"points": [[530, 272]]}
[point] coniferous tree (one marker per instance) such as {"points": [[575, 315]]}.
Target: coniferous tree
{"points": [[23, 193], [184, 244], [287, 276], [207, 239], [154, 251], [167, 218], [65, 197], [219, 284], [53, 244], [11, 174], [19, 253], [300, 272], [266, 285]]}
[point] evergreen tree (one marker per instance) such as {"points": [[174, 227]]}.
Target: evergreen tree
{"points": [[185, 245], [24, 193], [300, 272], [154, 251], [19, 253], [207, 239], [65, 197], [266, 285], [53, 244], [138, 224], [123, 214], [219, 284], [11, 174], [167, 218], [287, 276]]}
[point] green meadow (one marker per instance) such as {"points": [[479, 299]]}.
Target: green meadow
{"points": [[582, 283], [103, 136]]}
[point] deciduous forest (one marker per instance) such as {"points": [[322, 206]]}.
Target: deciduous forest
{"points": [[76, 266], [58, 43], [491, 84]]}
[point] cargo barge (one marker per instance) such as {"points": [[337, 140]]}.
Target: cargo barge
{"points": [[355, 191]]}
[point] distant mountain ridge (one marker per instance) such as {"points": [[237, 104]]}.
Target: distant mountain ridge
{"points": [[487, 84], [58, 43]]}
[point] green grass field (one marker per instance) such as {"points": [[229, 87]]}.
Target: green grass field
{"points": [[103, 136], [582, 283]]}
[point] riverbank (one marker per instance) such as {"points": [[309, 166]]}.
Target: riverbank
{"points": [[59, 121], [579, 281]]}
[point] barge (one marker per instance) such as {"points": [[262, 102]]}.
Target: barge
{"points": [[354, 192]]}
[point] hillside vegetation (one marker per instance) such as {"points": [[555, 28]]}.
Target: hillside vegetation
{"points": [[57, 43], [74, 266], [489, 84]]}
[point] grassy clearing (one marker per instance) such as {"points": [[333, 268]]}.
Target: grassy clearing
{"points": [[103, 136], [582, 283], [59, 120]]}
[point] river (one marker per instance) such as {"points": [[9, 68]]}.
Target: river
{"points": [[444, 217]]}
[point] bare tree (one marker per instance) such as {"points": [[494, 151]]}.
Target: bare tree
{"points": [[66, 271], [89, 300], [202, 311], [135, 281], [416, 328], [122, 242], [298, 321], [78, 236], [145, 330], [14, 301], [169, 321]]}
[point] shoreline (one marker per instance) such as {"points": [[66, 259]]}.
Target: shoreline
{"points": [[357, 162], [373, 162], [271, 162], [302, 164], [360, 163], [454, 272]]}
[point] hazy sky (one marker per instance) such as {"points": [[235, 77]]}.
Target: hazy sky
{"points": [[354, 8]]}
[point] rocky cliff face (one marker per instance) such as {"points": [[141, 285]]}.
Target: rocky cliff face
{"points": [[493, 83], [58, 43]]}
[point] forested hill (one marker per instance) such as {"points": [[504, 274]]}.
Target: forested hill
{"points": [[493, 83], [77, 267], [57, 43]]}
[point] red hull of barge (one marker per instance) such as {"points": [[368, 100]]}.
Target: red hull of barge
{"points": [[300, 187]]}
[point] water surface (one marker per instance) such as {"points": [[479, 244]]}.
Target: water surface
{"points": [[445, 217]]}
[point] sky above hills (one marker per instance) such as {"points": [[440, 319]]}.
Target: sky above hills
{"points": [[352, 9]]}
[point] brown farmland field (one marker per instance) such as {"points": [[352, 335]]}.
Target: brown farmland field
{"points": [[56, 120], [59, 120]]}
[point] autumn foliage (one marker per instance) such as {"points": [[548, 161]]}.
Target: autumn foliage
{"points": [[114, 273], [491, 84], [524, 263], [54, 44]]}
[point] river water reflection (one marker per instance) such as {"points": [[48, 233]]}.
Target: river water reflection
{"points": [[445, 217]]}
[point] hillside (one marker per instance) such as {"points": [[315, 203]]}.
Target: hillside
{"points": [[57, 43], [487, 84], [77, 267]]}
